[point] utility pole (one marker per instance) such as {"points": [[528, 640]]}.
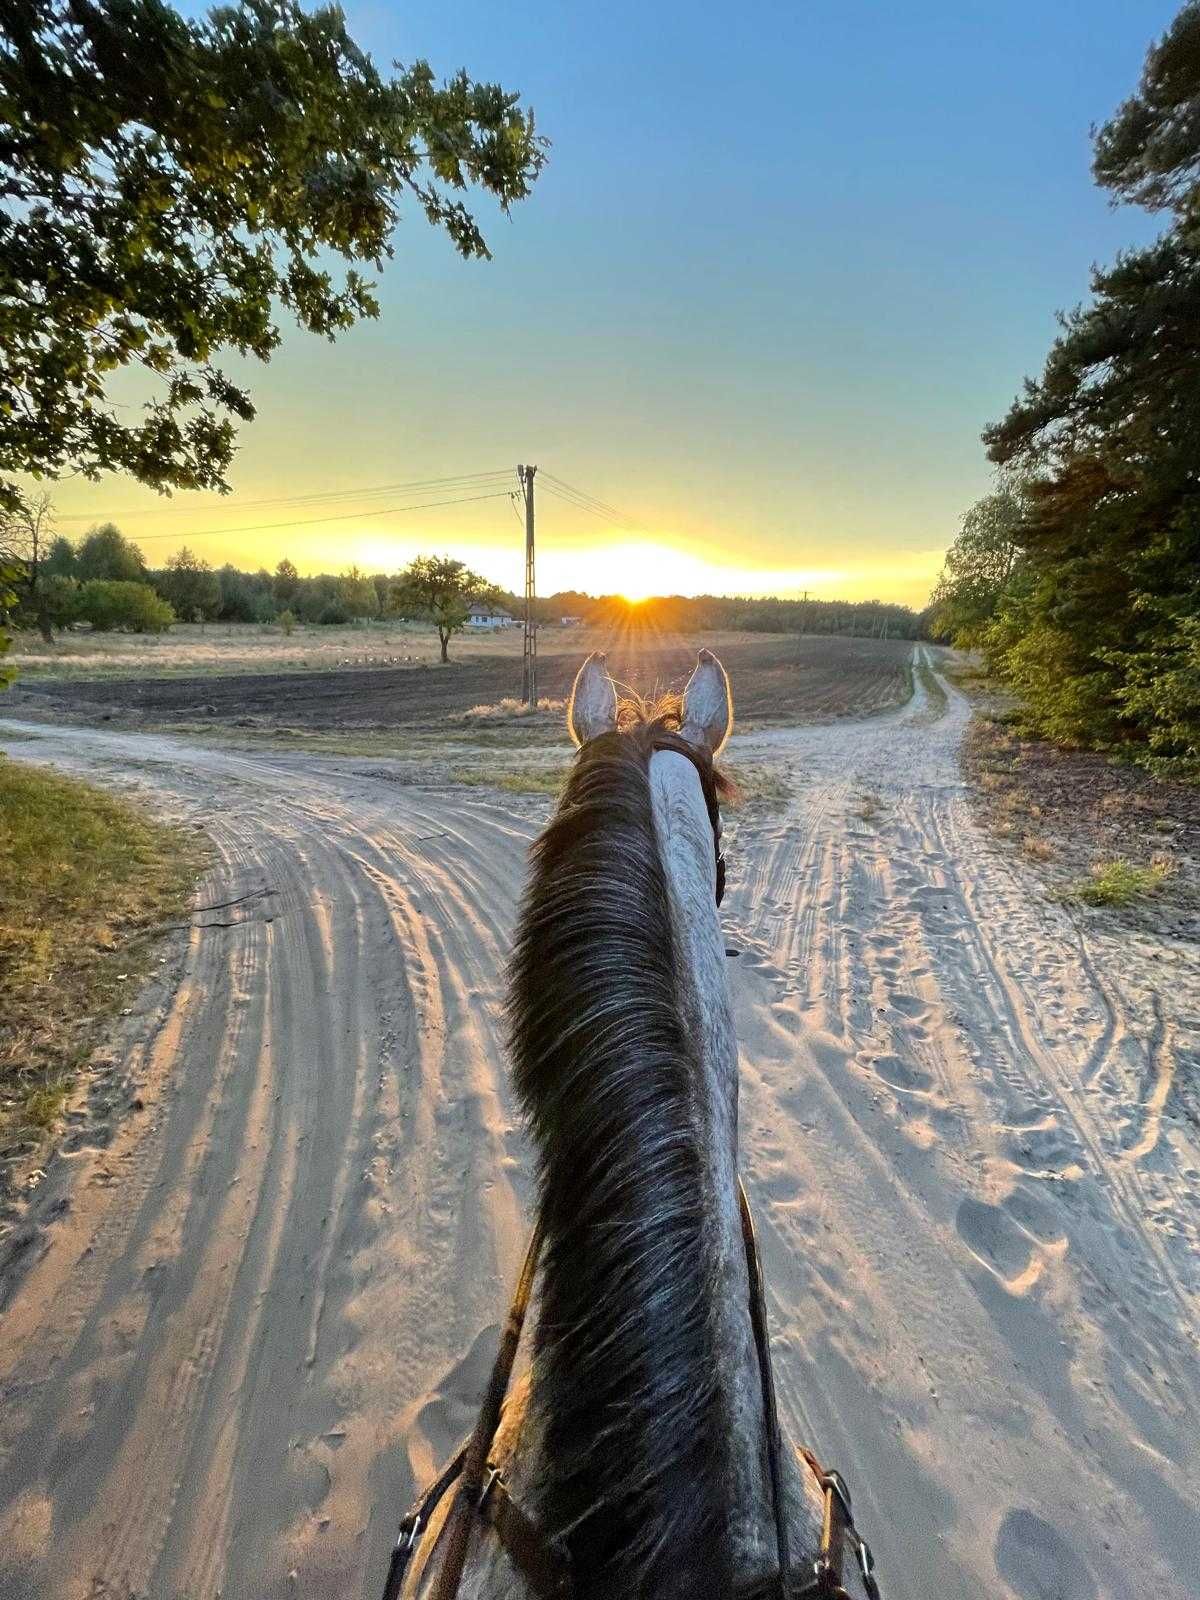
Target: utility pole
{"points": [[525, 476]]}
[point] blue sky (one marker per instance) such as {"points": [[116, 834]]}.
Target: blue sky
{"points": [[785, 262]]}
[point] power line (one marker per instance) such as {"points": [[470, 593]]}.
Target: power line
{"points": [[594, 499], [350, 516], [463, 480], [569, 500], [588, 502], [624, 523]]}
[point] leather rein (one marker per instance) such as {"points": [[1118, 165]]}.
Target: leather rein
{"points": [[481, 1491]]}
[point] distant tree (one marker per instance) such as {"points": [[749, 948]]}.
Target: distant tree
{"points": [[8, 599], [441, 588], [60, 558], [133, 607], [106, 553], [286, 582], [245, 596], [979, 569], [26, 530], [315, 597], [171, 184], [356, 593], [190, 587], [237, 598]]}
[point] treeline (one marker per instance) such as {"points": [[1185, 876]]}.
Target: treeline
{"points": [[104, 580], [1080, 577], [876, 619]]}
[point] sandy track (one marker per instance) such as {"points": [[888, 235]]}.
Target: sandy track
{"points": [[267, 1304]]}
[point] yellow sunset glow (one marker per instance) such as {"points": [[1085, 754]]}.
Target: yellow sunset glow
{"points": [[574, 552]]}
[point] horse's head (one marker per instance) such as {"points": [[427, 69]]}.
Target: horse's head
{"points": [[703, 715], [625, 1060], [675, 738]]}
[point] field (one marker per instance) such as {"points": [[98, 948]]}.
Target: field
{"points": [[262, 680], [193, 649]]}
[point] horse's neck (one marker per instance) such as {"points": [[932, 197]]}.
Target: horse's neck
{"points": [[686, 844]]}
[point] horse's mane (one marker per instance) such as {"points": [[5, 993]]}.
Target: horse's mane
{"points": [[636, 1442]]}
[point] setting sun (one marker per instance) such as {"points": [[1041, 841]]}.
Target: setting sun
{"points": [[642, 570]]}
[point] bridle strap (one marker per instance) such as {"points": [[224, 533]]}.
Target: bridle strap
{"points": [[469, 1491], [758, 1321], [543, 1559]]}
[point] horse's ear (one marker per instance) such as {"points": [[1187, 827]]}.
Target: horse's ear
{"points": [[708, 704], [593, 707]]}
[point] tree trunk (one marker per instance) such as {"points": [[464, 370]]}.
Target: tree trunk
{"points": [[445, 639]]}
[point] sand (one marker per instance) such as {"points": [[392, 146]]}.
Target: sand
{"points": [[241, 1322]]}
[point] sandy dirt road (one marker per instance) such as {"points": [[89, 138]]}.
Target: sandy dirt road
{"points": [[235, 1334]]}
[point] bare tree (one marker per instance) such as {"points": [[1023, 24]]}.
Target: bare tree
{"points": [[25, 535]]}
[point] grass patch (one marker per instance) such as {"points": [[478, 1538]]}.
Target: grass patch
{"points": [[543, 779], [399, 743], [936, 700], [85, 880], [1119, 883]]}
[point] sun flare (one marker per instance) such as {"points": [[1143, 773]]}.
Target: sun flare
{"points": [[644, 569]]}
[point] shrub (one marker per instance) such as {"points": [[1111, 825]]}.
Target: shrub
{"points": [[134, 607], [1065, 699], [1161, 694], [287, 621], [334, 614]]}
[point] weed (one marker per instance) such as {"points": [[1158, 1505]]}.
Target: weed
{"points": [[1119, 883], [42, 1107]]}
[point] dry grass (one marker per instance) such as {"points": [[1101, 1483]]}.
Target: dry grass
{"points": [[85, 879], [510, 710], [757, 783], [191, 649], [1037, 848]]}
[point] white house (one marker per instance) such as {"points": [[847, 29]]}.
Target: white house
{"points": [[481, 615]]}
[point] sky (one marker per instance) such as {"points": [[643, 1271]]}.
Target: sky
{"points": [[785, 263]]}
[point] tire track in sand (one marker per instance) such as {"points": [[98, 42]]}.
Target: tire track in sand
{"points": [[273, 1294]]}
